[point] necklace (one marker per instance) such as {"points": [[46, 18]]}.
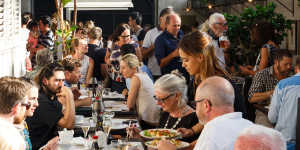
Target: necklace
{"points": [[178, 120]]}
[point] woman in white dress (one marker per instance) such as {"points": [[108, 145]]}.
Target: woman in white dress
{"points": [[141, 92]]}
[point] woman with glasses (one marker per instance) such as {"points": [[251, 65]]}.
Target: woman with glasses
{"points": [[121, 36], [30, 106], [140, 96], [170, 94]]}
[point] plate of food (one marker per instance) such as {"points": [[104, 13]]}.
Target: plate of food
{"points": [[179, 144], [159, 133]]}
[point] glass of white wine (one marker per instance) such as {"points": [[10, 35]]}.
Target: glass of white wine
{"points": [[107, 124]]}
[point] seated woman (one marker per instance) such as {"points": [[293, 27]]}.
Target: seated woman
{"points": [[121, 36], [171, 94], [141, 91], [80, 48]]}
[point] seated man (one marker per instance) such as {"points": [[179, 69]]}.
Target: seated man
{"points": [[264, 82], [214, 107], [284, 106], [257, 137], [13, 102], [19, 120], [53, 96], [72, 75]]}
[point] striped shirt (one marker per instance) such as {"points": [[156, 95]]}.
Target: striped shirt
{"points": [[283, 108], [47, 40]]}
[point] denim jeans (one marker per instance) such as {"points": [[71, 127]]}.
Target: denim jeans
{"points": [[291, 145]]}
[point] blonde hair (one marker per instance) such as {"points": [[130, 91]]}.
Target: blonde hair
{"points": [[131, 60]]}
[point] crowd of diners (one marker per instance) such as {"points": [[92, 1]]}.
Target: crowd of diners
{"points": [[172, 79]]}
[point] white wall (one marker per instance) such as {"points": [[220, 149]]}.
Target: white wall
{"points": [[12, 49]]}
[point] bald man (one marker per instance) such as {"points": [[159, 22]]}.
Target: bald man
{"points": [[257, 137], [214, 107]]}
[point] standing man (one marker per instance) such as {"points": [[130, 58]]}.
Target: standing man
{"points": [[284, 106], [46, 39], [264, 82], [53, 96], [217, 25], [166, 51], [135, 22], [214, 107], [148, 44], [13, 102]]}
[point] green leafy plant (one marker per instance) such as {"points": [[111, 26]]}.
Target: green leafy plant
{"points": [[67, 38], [239, 31]]}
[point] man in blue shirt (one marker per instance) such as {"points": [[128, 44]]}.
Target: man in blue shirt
{"points": [[283, 108], [166, 51]]}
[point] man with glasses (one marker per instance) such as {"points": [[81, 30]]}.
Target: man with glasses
{"points": [[214, 107], [217, 25], [53, 96], [13, 102]]}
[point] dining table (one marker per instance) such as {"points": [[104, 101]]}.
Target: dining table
{"points": [[123, 117]]}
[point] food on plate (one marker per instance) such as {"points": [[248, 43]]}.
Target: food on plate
{"points": [[157, 133]]}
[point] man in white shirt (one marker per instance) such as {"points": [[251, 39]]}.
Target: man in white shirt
{"points": [[148, 43], [214, 107], [13, 102], [217, 25]]}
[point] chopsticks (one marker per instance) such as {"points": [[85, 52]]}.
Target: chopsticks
{"points": [[127, 136]]}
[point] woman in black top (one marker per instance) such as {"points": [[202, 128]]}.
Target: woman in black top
{"points": [[170, 93]]}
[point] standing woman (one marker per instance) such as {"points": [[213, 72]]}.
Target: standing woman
{"points": [[80, 48], [120, 36], [262, 36], [199, 59], [141, 92]]}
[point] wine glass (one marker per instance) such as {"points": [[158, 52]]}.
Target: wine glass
{"points": [[85, 127], [107, 124], [109, 114]]}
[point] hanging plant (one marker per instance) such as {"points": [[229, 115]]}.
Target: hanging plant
{"points": [[239, 30]]}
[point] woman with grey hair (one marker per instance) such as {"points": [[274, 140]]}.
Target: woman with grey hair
{"points": [[43, 57], [170, 92]]}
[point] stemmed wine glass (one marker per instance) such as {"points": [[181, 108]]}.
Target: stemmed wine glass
{"points": [[85, 128], [107, 124]]}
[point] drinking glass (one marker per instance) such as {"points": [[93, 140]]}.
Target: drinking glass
{"points": [[107, 124], [109, 114], [85, 127], [106, 91]]}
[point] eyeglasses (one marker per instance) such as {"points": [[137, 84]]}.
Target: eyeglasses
{"points": [[193, 103], [124, 36], [27, 105], [222, 24], [163, 99]]}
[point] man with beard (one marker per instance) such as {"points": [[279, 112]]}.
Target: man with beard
{"points": [[264, 82], [214, 108], [53, 96], [284, 106], [19, 120]]}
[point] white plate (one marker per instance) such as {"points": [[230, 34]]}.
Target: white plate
{"points": [[118, 124], [142, 133], [181, 146]]}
